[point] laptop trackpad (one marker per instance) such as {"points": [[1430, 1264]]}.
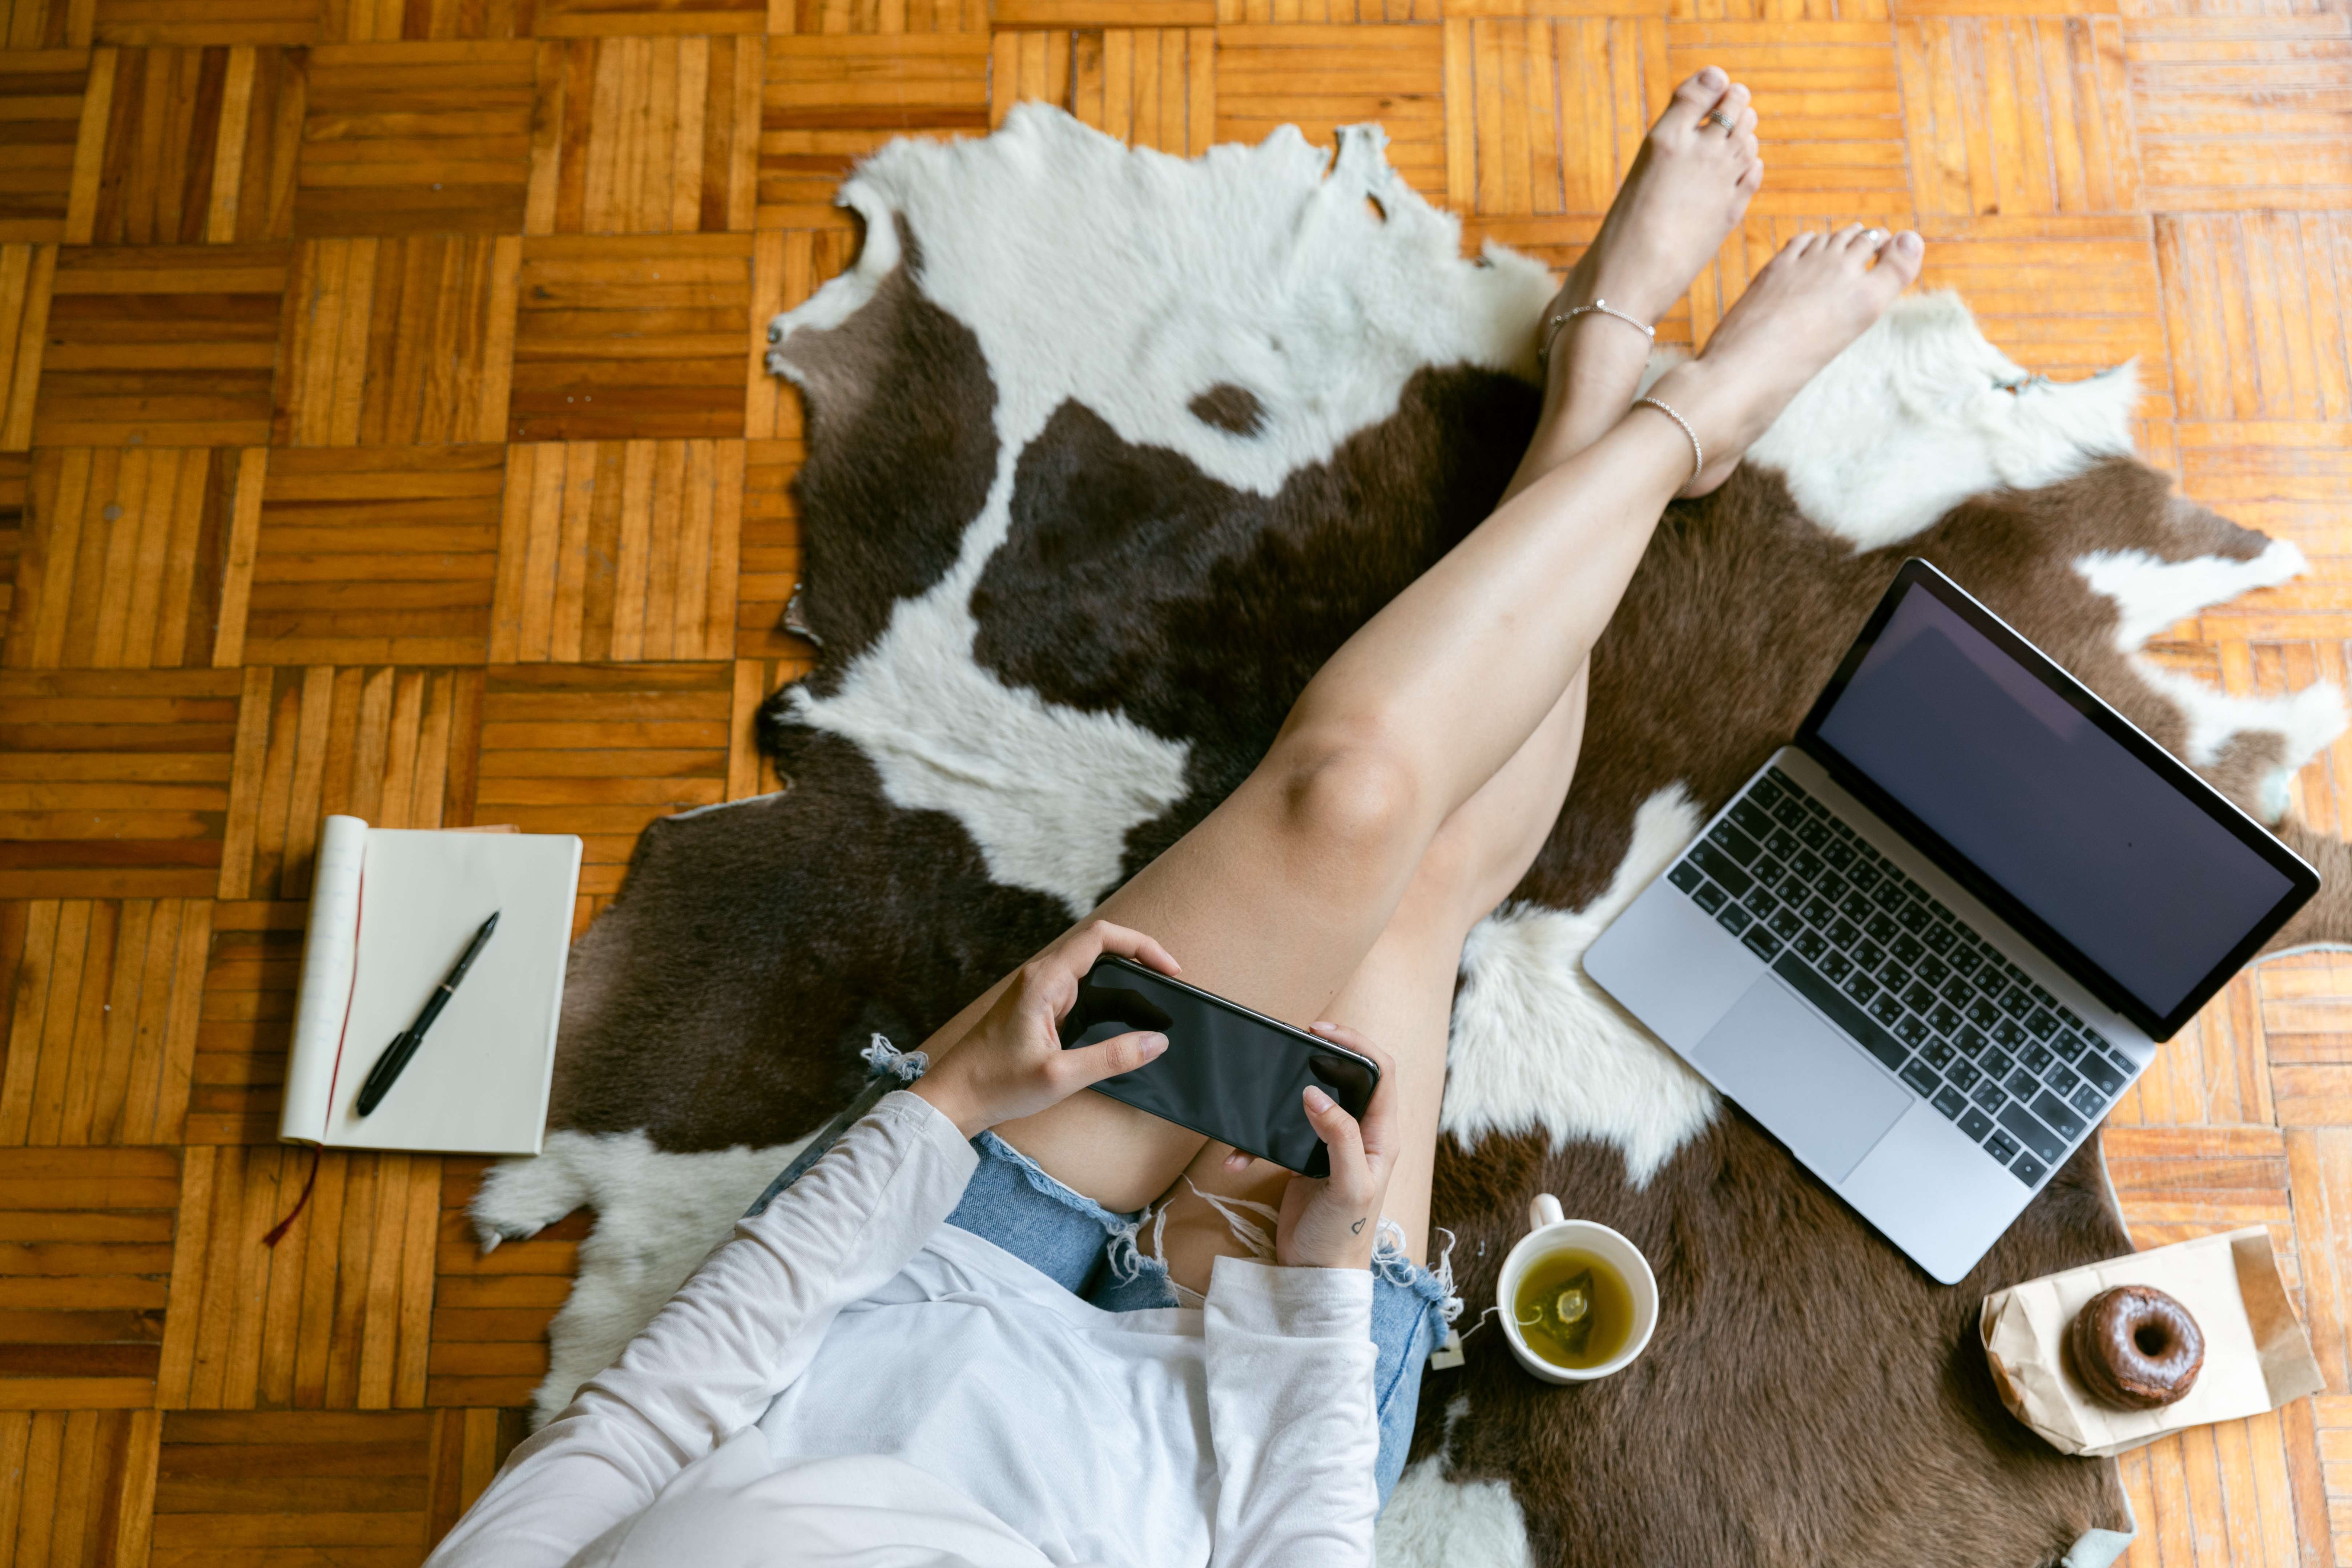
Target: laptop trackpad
{"points": [[1811, 1086]]}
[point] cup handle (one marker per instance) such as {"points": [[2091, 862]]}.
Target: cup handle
{"points": [[1544, 1211]]}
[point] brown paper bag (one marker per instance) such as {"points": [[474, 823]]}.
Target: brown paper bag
{"points": [[2257, 1357]]}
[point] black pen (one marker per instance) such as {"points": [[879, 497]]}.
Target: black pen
{"points": [[404, 1044]]}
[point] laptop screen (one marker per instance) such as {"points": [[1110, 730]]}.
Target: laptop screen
{"points": [[2037, 789]]}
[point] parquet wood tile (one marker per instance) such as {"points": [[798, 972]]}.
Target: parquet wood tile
{"points": [[768, 559], [394, 746], [243, 1023], [122, 566], [298, 1488], [599, 750], [79, 1486], [180, 146], [93, 831], [439, 21], [619, 549], [372, 555], [1149, 87], [2017, 114], [1562, 105], [27, 273], [650, 135], [1320, 75], [16, 491], [633, 18], [335, 1315], [1829, 103], [384, 428], [2258, 330], [2285, 477], [417, 137], [829, 99], [41, 112], [626, 338], [2319, 1169], [46, 24], [2242, 112], [2063, 296], [1792, 10], [839, 17], [398, 341], [185, 23], [161, 346], [101, 1040], [86, 1259], [491, 1308]]}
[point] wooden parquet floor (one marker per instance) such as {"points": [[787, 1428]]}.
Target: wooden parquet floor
{"points": [[350, 350]]}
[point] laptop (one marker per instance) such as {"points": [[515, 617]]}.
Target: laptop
{"points": [[1929, 943]]}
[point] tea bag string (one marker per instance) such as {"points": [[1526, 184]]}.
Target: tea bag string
{"points": [[1481, 1322]]}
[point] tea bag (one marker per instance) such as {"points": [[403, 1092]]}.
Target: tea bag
{"points": [[1566, 1313]]}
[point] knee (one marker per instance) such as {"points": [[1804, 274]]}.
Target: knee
{"points": [[1348, 793]]}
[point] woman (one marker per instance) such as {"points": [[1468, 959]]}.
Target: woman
{"points": [[1003, 1322]]}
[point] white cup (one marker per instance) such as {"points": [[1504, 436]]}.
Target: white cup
{"points": [[1552, 1233]]}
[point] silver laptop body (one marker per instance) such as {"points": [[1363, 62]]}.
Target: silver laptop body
{"points": [[1932, 995]]}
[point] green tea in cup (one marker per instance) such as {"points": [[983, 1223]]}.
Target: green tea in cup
{"points": [[1573, 1308]]}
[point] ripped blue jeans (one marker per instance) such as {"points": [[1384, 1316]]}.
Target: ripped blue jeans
{"points": [[1093, 1254]]}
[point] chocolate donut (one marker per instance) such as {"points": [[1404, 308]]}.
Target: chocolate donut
{"points": [[2136, 1348]]}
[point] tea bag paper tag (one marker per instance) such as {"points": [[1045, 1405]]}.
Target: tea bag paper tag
{"points": [[1447, 1356]]}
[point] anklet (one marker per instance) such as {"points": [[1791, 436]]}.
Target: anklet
{"points": [[1598, 307], [1698, 456]]}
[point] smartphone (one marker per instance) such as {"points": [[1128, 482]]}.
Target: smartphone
{"points": [[1231, 1074]]}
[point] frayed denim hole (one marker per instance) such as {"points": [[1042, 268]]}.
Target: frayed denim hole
{"points": [[1044, 1182]]}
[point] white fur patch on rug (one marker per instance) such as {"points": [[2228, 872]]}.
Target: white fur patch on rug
{"points": [[1264, 267], [1130, 281]]}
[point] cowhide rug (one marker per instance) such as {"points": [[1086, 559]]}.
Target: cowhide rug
{"points": [[1107, 452]]}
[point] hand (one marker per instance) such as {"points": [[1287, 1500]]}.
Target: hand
{"points": [[1011, 1063], [1333, 1222]]}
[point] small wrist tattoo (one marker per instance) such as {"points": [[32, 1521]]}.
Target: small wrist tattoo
{"points": [[1357, 1229]]}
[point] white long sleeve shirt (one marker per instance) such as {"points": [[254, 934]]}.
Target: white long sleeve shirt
{"points": [[852, 1381]]}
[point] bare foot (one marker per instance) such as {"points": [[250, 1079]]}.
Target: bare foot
{"points": [[1799, 312], [1689, 185]]}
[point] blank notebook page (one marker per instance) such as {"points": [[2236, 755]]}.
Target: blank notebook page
{"points": [[478, 1083]]}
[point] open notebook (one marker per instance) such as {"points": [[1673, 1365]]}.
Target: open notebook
{"points": [[390, 913]]}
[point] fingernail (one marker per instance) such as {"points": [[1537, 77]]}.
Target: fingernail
{"points": [[1322, 1028], [1317, 1100], [1153, 1044]]}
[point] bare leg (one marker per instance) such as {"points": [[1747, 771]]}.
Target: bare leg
{"points": [[1403, 996], [1690, 184], [1278, 897]]}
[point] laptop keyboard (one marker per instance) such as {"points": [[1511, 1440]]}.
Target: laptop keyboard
{"points": [[1968, 1031]]}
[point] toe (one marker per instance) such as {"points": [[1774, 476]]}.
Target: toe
{"points": [[1802, 243], [1747, 126], [1693, 99], [1899, 259], [1751, 178], [1734, 108], [1843, 240]]}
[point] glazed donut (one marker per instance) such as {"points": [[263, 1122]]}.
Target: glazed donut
{"points": [[2136, 1348]]}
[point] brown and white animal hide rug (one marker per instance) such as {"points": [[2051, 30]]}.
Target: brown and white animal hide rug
{"points": [[1107, 452]]}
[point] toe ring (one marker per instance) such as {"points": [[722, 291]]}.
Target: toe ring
{"points": [[1716, 116]]}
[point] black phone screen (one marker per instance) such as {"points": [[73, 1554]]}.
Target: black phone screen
{"points": [[1227, 1072]]}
